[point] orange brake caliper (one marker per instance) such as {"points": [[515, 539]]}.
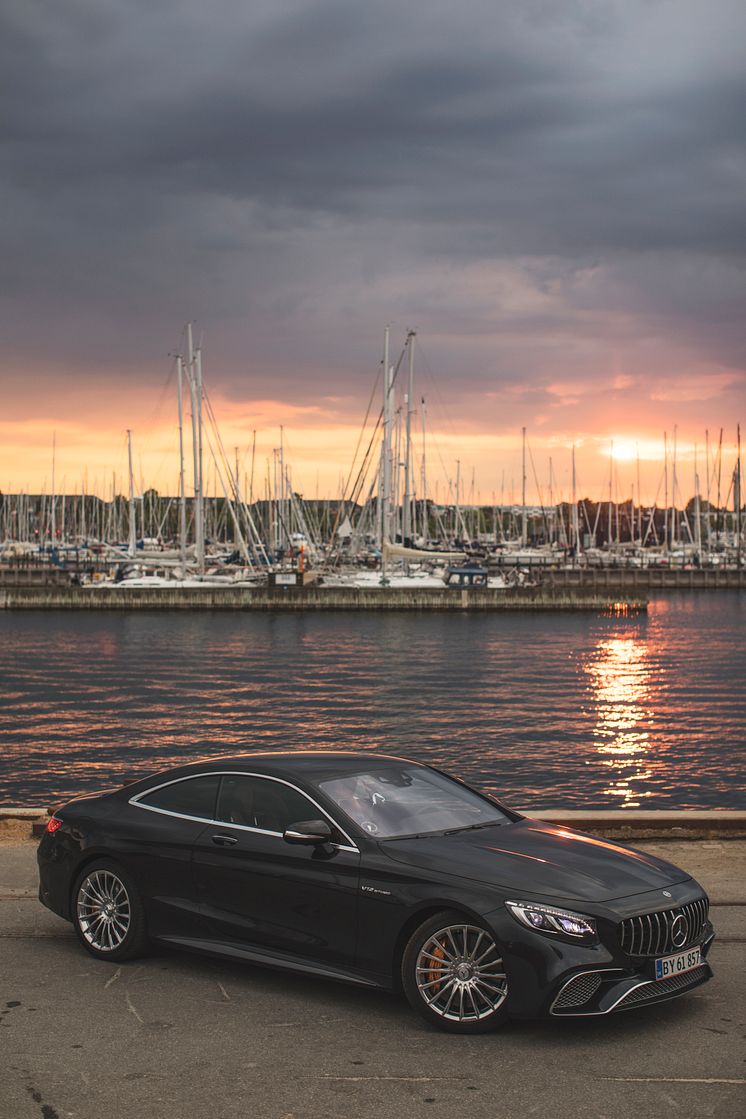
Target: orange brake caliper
{"points": [[436, 970]]}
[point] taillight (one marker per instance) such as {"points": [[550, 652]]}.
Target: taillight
{"points": [[53, 823]]}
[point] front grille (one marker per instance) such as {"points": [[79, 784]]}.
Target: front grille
{"points": [[651, 991], [578, 991], [652, 933]]}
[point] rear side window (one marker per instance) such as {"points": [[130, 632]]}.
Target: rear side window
{"points": [[194, 796], [257, 802]]}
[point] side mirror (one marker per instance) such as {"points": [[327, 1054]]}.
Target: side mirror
{"points": [[308, 832]]}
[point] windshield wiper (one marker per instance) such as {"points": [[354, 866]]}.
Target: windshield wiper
{"points": [[430, 834], [472, 827], [409, 835]]}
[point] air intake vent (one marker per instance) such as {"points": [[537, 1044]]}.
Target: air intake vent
{"points": [[578, 991], [648, 992]]}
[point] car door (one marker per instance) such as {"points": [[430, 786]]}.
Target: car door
{"points": [[162, 825], [259, 890]]}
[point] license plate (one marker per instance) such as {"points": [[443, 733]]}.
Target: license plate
{"points": [[674, 965]]}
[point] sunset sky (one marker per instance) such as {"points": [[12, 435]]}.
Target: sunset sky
{"points": [[550, 192]]}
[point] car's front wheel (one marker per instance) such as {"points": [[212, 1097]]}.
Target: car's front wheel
{"points": [[454, 975], [107, 912]]}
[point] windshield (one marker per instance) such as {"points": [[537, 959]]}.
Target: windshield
{"points": [[407, 800]]}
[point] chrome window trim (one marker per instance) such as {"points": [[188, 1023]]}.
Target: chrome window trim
{"points": [[137, 803]]}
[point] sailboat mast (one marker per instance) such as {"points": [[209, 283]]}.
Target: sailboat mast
{"points": [[737, 496], [425, 526], [195, 394], [201, 498], [674, 515], [386, 457], [666, 491], [182, 488], [639, 495], [281, 513], [132, 537], [472, 500], [697, 522], [407, 510], [611, 482], [575, 518], [275, 518], [54, 492], [251, 479], [238, 494], [549, 520], [707, 484], [718, 518], [524, 515]]}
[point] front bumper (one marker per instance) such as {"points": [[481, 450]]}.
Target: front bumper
{"points": [[554, 977], [589, 993]]}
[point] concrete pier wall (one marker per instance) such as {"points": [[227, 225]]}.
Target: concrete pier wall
{"points": [[313, 598], [622, 824], [631, 579]]}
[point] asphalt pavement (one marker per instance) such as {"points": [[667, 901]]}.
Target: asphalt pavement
{"points": [[177, 1036]]}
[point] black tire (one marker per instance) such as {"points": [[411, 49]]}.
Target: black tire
{"points": [[453, 975], [107, 912]]}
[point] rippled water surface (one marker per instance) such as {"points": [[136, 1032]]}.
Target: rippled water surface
{"points": [[571, 710]]}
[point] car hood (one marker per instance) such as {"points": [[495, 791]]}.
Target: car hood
{"points": [[535, 858]]}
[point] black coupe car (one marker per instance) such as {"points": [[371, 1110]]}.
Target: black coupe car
{"points": [[382, 872]]}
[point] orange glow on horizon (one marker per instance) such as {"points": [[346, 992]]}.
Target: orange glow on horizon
{"points": [[319, 442]]}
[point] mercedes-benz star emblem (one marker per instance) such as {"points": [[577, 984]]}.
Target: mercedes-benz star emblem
{"points": [[679, 931]]}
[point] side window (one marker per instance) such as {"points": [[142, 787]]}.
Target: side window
{"points": [[194, 796], [256, 802]]}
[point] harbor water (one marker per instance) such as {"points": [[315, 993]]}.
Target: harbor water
{"points": [[548, 710]]}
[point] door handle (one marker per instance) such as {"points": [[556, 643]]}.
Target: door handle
{"points": [[224, 840]]}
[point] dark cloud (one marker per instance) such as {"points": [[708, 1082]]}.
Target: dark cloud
{"points": [[292, 177]]}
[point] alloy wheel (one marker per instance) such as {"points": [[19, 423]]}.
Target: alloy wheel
{"points": [[103, 910], [460, 974]]}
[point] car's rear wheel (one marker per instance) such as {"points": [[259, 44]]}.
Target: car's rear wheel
{"points": [[454, 975], [108, 913]]}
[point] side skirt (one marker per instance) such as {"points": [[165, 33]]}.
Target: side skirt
{"points": [[268, 958]]}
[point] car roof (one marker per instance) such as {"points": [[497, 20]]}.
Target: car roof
{"points": [[309, 764]]}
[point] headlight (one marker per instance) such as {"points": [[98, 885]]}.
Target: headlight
{"points": [[556, 922]]}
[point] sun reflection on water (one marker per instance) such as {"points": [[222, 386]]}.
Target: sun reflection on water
{"points": [[620, 679]]}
